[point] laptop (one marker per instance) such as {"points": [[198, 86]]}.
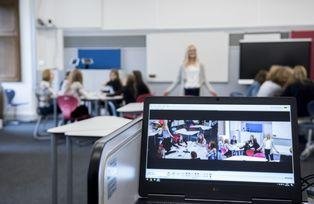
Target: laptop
{"points": [[219, 149]]}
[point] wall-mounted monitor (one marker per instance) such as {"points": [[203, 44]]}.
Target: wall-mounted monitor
{"points": [[257, 55]]}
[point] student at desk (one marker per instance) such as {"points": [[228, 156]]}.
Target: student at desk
{"points": [[251, 144], [115, 85], [227, 148], [44, 93], [128, 90], [167, 138], [212, 151], [77, 90], [140, 86]]}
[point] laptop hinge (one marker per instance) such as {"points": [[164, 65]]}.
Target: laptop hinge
{"points": [[270, 201]]}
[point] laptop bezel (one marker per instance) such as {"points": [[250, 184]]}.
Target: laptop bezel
{"points": [[225, 190]]}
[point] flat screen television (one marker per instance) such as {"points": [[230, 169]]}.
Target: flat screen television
{"points": [[257, 55]]}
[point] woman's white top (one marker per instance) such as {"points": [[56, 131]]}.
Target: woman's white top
{"points": [[269, 89], [268, 144], [44, 93], [76, 89], [192, 80]]}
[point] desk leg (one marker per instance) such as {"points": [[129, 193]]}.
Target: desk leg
{"points": [[54, 169], [55, 112], [69, 169]]}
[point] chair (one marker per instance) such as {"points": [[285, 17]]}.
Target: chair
{"points": [[308, 128], [259, 155], [141, 98], [10, 94], [67, 105], [249, 152]]}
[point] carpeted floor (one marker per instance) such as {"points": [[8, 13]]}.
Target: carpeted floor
{"points": [[25, 168], [25, 175]]}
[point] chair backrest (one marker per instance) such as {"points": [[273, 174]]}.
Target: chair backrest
{"points": [[9, 93], [67, 105], [249, 152], [141, 98], [310, 108]]}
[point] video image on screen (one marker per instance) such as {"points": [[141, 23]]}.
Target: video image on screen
{"points": [[258, 141]]}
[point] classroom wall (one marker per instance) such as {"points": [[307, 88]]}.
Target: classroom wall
{"points": [[175, 14], [24, 89]]}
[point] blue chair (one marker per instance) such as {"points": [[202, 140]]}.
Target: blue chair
{"points": [[10, 94]]}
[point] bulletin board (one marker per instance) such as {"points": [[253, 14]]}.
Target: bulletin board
{"points": [[102, 58]]}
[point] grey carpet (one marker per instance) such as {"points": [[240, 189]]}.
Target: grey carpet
{"points": [[25, 168], [25, 175]]}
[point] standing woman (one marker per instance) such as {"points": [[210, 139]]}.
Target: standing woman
{"points": [[191, 75]]}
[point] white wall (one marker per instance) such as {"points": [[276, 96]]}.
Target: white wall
{"points": [[175, 14], [24, 89]]}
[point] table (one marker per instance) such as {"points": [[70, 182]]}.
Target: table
{"points": [[245, 158], [102, 125], [203, 127], [131, 108], [96, 97]]}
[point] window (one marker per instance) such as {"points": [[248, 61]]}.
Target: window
{"points": [[9, 41]]}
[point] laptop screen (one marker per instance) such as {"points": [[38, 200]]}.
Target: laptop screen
{"points": [[249, 143]]}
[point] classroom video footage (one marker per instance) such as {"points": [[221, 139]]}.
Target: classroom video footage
{"points": [[258, 141]]}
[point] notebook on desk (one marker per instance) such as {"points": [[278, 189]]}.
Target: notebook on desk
{"points": [[209, 149]]}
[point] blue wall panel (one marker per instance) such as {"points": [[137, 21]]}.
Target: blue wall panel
{"points": [[103, 59]]}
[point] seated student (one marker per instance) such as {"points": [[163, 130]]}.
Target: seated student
{"points": [[76, 89], [194, 155], [45, 93], [128, 90], [115, 82], [201, 139], [228, 149], [167, 138], [233, 141], [259, 79], [140, 86], [251, 144], [212, 151], [220, 146], [277, 78], [301, 88], [115, 85], [65, 83]]}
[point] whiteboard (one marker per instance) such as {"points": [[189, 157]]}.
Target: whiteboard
{"points": [[166, 51]]}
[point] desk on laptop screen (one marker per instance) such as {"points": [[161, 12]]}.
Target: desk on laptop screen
{"points": [[228, 142]]}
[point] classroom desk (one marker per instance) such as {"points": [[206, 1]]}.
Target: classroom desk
{"points": [[96, 97], [131, 108], [245, 158], [203, 127], [104, 125]]}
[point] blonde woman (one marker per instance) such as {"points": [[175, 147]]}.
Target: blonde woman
{"points": [[191, 75], [268, 146], [44, 92], [302, 88], [276, 81], [75, 87]]}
